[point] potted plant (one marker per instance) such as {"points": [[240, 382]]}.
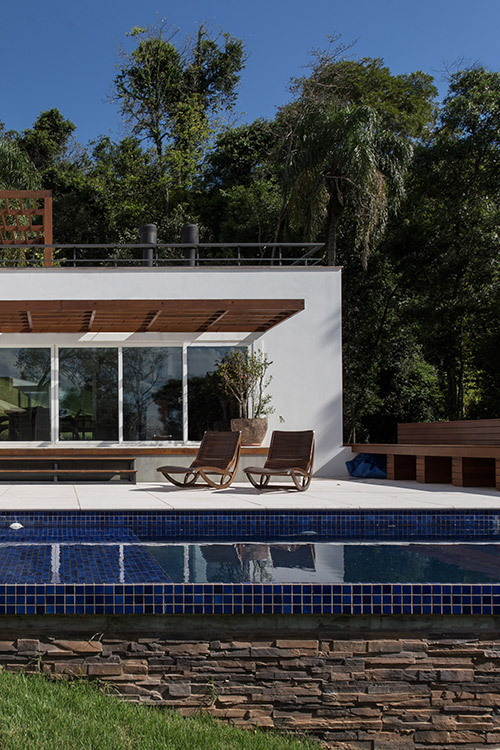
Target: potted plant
{"points": [[243, 375]]}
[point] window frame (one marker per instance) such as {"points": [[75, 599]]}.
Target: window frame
{"points": [[56, 342]]}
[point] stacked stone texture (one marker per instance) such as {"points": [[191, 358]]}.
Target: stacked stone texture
{"points": [[373, 693]]}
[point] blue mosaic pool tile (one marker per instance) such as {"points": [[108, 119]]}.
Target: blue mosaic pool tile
{"points": [[55, 531], [26, 563], [339, 599], [467, 525], [20, 594], [84, 563]]}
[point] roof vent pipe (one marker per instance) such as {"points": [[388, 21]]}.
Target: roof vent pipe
{"points": [[148, 235], [190, 235]]}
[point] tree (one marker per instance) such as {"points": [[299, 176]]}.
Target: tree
{"points": [[17, 171], [46, 141], [448, 245], [131, 186], [345, 147], [238, 153], [171, 96], [43, 162], [239, 199], [243, 375], [387, 377], [345, 153], [79, 207], [250, 211], [343, 160], [404, 103]]}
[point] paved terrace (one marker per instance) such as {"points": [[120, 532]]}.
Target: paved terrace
{"points": [[323, 494]]}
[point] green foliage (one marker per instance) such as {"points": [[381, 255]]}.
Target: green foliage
{"points": [[238, 153], [131, 185], [239, 198], [345, 147], [349, 163], [447, 248], [17, 171], [243, 375], [174, 96], [471, 111], [250, 211], [79, 211], [404, 103], [171, 95], [387, 378], [148, 86], [47, 139]]}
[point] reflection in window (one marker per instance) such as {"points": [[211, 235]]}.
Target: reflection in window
{"points": [[152, 393], [88, 394], [208, 406], [25, 394]]}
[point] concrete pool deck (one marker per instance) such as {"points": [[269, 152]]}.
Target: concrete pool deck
{"points": [[323, 494]]}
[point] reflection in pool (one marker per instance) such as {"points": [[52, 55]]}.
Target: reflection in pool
{"points": [[123, 558]]}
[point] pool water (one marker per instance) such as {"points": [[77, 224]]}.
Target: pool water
{"points": [[276, 562], [118, 556], [330, 563]]}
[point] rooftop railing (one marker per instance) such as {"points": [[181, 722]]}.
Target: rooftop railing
{"points": [[161, 255]]}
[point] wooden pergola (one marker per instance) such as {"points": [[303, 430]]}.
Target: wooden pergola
{"points": [[152, 316]]}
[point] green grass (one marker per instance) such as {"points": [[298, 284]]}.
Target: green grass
{"points": [[38, 714]]}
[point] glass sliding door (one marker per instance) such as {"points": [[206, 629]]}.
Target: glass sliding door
{"points": [[88, 394], [152, 393], [24, 394], [209, 408], [111, 393]]}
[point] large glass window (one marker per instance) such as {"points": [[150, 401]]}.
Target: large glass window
{"points": [[208, 405], [152, 393], [149, 393], [88, 394], [24, 394]]}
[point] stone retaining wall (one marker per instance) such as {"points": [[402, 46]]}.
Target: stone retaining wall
{"points": [[355, 683]]}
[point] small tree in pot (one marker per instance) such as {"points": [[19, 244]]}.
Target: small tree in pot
{"points": [[243, 375]]}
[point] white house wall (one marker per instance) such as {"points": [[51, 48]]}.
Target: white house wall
{"points": [[305, 349]]}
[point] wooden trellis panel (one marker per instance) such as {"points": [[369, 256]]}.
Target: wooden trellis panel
{"points": [[26, 219]]}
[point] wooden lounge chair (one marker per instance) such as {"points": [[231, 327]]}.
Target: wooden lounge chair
{"points": [[218, 454], [290, 455]]}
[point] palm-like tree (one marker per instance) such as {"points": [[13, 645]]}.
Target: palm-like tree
{"points": [[17, 171], [340, 158]]}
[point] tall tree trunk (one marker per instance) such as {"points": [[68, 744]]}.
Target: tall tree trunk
{"points": [[334, 214]]}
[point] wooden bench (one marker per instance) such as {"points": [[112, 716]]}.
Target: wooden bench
{"points": [[465, 453], [69, 466]]}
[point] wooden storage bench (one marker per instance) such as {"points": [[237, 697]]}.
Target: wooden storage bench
{"points": [[68, 467], [465, 453]]}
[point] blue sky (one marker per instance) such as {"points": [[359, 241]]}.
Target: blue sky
{"points": [[59, 53]]}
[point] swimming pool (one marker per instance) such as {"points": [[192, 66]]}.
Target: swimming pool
{"points": [[254, 562]]}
